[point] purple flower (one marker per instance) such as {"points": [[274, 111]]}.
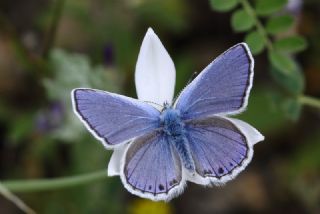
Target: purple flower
{"points": [[108, 55], [50, 118]]}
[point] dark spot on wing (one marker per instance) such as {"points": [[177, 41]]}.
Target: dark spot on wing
{"points": [[150, 187], [207, 172], [161, 187], [173, 182], [220, 170]]}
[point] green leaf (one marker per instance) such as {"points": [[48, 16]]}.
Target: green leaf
{"points": [[287, 105], [286, 72], [267, 7], [241, 21], [291, 44], [292, 82], [255, 41], [223, 5], [282, 62], [279, 24], [21, 127], [272, 120], [292, 108]]}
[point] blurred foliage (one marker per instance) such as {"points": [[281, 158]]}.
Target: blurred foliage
{"points": [[303, 172], [241, 20], [291, 44], [255, 41], [271, 120], [140, 206], [223, 5], [268, 7], [279, 24], [280, 45], [74, 71]]}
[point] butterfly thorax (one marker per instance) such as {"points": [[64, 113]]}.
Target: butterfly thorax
{"points": [[171, 122], [175, 133]]}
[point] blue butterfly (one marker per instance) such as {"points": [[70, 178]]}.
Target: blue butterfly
{"points": [[189, 140]]}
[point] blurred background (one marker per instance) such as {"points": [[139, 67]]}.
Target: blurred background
{"points": [[48, 47]]}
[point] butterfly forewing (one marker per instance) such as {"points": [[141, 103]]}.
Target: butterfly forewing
{"points": [[219, 149], [222, 87], [152, 168], [113, 118]]}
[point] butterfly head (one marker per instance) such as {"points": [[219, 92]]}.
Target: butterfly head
{"points": [[171, 121], [166, 106]]}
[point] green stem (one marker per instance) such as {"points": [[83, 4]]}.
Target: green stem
{"points": [[310, 101], [28, 61], [54, 183], [57, 13], [248, 8], [14, 199]]}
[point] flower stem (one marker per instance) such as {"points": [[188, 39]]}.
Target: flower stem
{"points": [[14, 199], [57, 13], [54, 183], [310, 101], [248, 8]]}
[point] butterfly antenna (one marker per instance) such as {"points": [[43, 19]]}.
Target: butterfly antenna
{"points": [[154, 103], [192, 77]]}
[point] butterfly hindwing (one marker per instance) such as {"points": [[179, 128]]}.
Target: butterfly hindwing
{"points": [[219, 149], [113, 118], [152, 168], [221, 88]]}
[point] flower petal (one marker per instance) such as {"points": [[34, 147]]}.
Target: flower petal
{"points": [[155, 72], [115, 160], [252, 134]]}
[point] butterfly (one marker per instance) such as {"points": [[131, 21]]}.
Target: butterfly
{"points": [[189, 140]]}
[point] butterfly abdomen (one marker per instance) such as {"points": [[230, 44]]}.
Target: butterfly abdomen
{"points": [[181, 145], [174, 130]]}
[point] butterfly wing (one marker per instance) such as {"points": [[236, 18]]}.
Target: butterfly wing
{"points": [[113, 118], [221, 88], [152, 168], [219, 149]]}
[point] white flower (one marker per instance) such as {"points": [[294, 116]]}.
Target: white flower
{"points": [[155, 81]]}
